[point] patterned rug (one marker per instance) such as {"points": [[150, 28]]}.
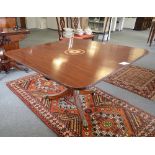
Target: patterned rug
{"points": [[106, 115], [135, 79]]}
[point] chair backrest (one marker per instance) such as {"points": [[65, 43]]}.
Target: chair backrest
{"points": [[75, 22], [62, 22]]}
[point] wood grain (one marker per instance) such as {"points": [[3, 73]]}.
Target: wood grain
{"points": [[7, 22], [76, 71]]}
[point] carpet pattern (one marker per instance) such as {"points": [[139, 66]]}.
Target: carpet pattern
{"points": [[106, 115], [135, 79]]}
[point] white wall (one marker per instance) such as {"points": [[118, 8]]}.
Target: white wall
{"points": [[51, 23], [129, 23], [124, 22], [36, 22], [113, 24], [117, 23], [30, 22]]}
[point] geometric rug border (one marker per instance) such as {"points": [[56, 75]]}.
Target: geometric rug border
{"points": [[34, 111], [121, 70], [126, 102]]}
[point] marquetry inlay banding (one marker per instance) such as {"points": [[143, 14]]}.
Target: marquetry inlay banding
{"points": [[74, 52]]}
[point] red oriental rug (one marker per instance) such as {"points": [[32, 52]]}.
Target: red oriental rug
{"points": [[106, 115], [135, 79]]}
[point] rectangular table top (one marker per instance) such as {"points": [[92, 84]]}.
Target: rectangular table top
{"points": [[83, 65]]}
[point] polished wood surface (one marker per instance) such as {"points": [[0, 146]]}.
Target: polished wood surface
{"points": [[76, 71], [7, 22], [12, 22]]}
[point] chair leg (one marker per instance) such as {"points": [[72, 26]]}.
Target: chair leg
{"points": [[149, 34], [152, 36]]}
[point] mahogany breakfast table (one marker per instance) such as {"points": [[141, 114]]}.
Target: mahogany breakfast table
{"points": [[77, 64]]}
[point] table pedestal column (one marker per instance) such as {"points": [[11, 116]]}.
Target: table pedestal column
{"points": [[78, 103]]}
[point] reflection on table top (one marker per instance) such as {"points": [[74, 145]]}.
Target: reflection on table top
{"points": [[76, 70]]}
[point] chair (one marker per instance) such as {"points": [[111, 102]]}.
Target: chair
{"points": [[62, 22], [106, 29], [72, 22], [151, 34], [75, 22]]}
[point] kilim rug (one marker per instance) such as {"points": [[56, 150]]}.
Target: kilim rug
{"points": [[135, 79], [106, 115]]}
